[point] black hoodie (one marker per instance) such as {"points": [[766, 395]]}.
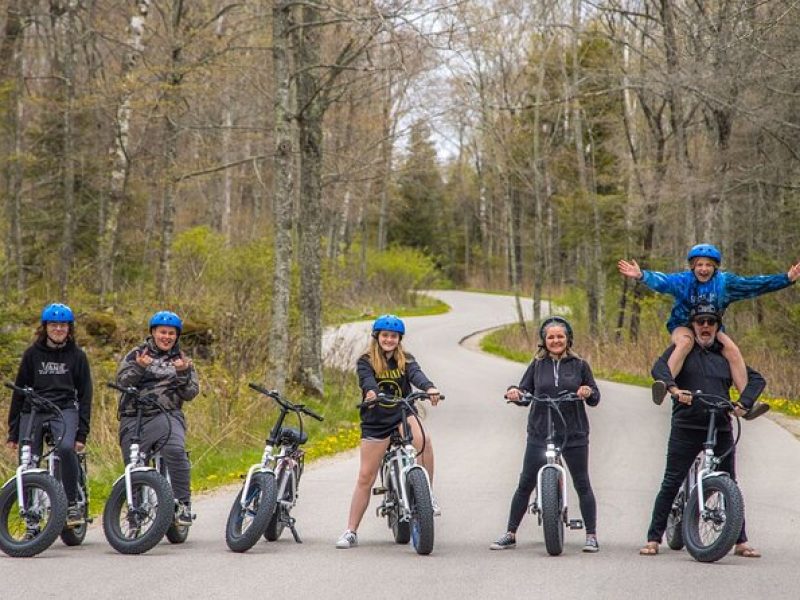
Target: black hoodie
{"points": [[58, 374]]}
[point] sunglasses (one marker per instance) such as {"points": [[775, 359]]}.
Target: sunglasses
{"points": [[706, 321]]}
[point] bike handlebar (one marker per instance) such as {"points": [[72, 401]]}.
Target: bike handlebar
{"points": [[527, 398], [35, 398], [409, 400], [275, 395]]}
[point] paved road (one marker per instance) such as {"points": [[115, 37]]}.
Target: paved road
{"points": [[479, 442]]}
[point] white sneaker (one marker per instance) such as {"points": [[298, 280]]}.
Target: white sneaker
{"points": [[349, 539], [437, 510]]}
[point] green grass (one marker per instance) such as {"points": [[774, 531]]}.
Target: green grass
{"points": [[424, 306]]}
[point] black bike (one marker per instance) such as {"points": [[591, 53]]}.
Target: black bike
{"points": [[264, 504], [550, 504], [33, 505], [405, 484], [141, 508], [708, 510]]}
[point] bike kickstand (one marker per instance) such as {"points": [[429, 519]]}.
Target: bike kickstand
{"points": [[295, 535]]}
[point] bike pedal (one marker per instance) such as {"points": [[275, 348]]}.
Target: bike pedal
{"points": [[377, 491], [576, 524]]}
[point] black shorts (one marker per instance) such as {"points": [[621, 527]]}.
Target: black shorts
{"points": [[378, 423]]}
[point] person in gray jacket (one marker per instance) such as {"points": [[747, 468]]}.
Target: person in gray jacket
{"points": [[162, 371]]}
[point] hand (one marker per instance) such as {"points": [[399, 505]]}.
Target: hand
{"points": [[12, 445], [629, 269], [182, 363], [80, 446], [370, 395], [143, 359], [794, 272], [584, 392], [433, 394], [740, 411], [683, 396], [513, 394]]}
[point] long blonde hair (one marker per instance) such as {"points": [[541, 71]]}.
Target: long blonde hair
{"points": [[377, 359]]}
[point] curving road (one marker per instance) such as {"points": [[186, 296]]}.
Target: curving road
{"points": [[479, 443]]}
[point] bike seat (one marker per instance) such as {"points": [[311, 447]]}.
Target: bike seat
{"points": [[292, 437]]}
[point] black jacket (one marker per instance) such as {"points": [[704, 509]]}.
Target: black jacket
{"points": [[548, 377], [58, 374], [391, 382], [706, 370]]}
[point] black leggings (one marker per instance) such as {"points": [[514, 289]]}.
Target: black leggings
{"points": [[577, 459]]}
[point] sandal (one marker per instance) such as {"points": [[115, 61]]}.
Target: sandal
{"points": [[746, 551], [649, 549]]}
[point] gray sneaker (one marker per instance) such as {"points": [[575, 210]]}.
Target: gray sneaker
{"points": [[184, 516], [349, 539], [591, 545], [74, 516], [506, 542], [437, 510]]}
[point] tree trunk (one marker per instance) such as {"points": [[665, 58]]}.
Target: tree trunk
{"points": [[120, 168], [283, 195]]}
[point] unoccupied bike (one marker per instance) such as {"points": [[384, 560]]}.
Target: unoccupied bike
{"points": [[405, 484], [265, 502], [707, 513], [550, 505], [33, 505], [141, 507]]}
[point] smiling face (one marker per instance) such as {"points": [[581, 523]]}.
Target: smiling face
{"points": [[57, 332], [555, 339], [388, 341], [164, 337], [703, 268], [705, 329]]}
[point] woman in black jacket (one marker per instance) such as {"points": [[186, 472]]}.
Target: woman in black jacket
{"points": [[385, 368], [555, 369], [57, 369]]}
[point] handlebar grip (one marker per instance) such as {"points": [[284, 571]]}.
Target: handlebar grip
{"points": [[10, 385], [313, 415]]}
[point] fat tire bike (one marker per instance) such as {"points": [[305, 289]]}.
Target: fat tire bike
{"points": [[33, 505], [708, 511], [141, 507], [405, 484], [264, 504], [550, 504]]}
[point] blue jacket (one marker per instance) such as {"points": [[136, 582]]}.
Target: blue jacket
{"points": [[722, 289]]}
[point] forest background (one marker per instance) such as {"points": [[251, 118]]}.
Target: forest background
{"points": [[266, 168]]}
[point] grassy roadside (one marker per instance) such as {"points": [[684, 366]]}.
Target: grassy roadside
{"points": [[507, 343]]}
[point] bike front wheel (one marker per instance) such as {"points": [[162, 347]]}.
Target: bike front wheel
{"points": [[419, 500], [177, 534], [710, 535], [34, 531], [247, 523], [674, 531], [552, 512], [138, 528]]}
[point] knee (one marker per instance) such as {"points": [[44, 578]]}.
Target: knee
{"points": [[365, 478], [175, 454], [526, 484], [683, 341]]}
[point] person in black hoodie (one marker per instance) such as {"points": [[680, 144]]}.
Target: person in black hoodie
{"points": [[57, 369], [386, 368], [159, 368], [708, 370], [555, 368]]}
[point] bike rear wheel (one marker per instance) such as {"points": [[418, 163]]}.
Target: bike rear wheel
{"points": [[32, 533], [419, 500], [711, 536], [674, 531], [247, 523], [552, 512], [282, 510], [138, 528]]}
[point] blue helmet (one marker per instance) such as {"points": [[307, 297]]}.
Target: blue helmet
{"points": [[556, 321], [388, 323], [57, 313], [705, 251], [166, 318]]}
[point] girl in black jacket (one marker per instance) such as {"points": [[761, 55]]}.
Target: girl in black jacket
{"points": [[556, 368], [385, 368], [57, 369]]}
